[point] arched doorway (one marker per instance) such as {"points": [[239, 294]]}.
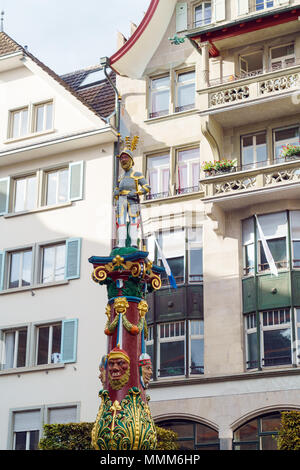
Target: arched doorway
{"points": [[258, 433], [192, 435]]}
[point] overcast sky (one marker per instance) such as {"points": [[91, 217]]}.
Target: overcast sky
{"points": [[68, 35]]}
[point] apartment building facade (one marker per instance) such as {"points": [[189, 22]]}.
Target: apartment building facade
{"points": [[56, 163], [205, 81]]}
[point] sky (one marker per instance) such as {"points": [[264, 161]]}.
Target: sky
{"points": [[69, 35]]}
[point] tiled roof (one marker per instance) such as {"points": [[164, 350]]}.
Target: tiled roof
{"points": [[100, 99]]}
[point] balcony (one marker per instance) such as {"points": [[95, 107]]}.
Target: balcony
{"points": [[258, 92], [244, 187]]}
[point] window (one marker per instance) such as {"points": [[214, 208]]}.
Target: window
{"points": [[203, 14], [195, 262], [298, 334], [263, 4], [171, 340], [26, 430], [258, 433], [18, 123], [251, 341], [93, 78], [53, 263], [57, 186], [172, 244], [188, 173], [276, 337], [25, 198], [281, 137], [274, 228], [196, 346], [295, 236], [30, 119], [48, 344], [15, 348], [43, 117], [185, 91], [251, 64], [158, 175], [159, 96], [20, 271], [254, 150], [192, 435], [282, 56]]}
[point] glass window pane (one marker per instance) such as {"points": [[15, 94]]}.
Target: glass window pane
{"points": [[21, 358], [247, 432], [20, 440], [171, 358], [186, 76], [39, 118], [56, 341], [60, 261], [271, 422], [197, 356], [160, 82], [26, 268], [160, 102], [252, 359], [20, 194], [195, 265], [43, 342], [204, 434], [16, 119], [31, 195], [48, 264], [9, 350], [49, 117], [34, 440], [24, 122], [15, 270], [277, 347], [278, 250], [52, 183], [268, 443], [63, 186], [186, 95]]}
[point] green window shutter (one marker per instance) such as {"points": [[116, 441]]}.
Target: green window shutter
{"points": [[243, 7], [2, 264], [75, 181], [4, 195], [181, 16], [219, 10], [73, 251], [69, 340]]}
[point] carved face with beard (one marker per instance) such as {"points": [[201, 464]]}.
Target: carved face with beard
{"points": [[118, 368]]}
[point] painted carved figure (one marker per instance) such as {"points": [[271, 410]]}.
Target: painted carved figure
{"points": [[131, 185], [118, 364], [145, 366], [102, 370]]}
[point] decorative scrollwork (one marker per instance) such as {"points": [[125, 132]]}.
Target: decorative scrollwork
{"points": [[229, 96], [282, 176], [155, 282], [235, 185], [279, 83], [99, 274]]}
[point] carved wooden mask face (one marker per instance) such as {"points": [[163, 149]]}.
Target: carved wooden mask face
{"points": [[118, 372]]}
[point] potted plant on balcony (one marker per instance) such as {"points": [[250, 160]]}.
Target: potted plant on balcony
{"points": [[208, 168], [290, 152], [225, 166]]}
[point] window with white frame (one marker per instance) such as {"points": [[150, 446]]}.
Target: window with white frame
{"points": [[43, 116], [159, 96], [263, 4], [202, 14], [295, 237], [282, 56], [158, 175], [185, 90], [195, 254], [19, 124], [171, 349], [274, 228], [248, 246], [276, 337], [25, 196], [251, 64], [53, 263], [282, 137], [48, 349], [188, 170], [20, 268], [14, 352], [26, 429], [58, 186], [41, 264], [254, 150], [31, 119]]}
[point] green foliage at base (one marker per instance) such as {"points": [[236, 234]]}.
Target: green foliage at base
{"points": [[289, 433], [77, 436]]}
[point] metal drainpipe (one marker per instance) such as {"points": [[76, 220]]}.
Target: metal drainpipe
{"points": [[105, 63]]}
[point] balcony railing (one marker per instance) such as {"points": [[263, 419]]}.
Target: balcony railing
{"points": [[255, 87], [277, 174]]}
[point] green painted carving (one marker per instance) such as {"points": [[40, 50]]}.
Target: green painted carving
{"points": [[124, 426]]}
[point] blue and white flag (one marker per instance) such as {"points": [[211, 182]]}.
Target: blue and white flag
{"points": [[269, 257], [166, 266]]}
